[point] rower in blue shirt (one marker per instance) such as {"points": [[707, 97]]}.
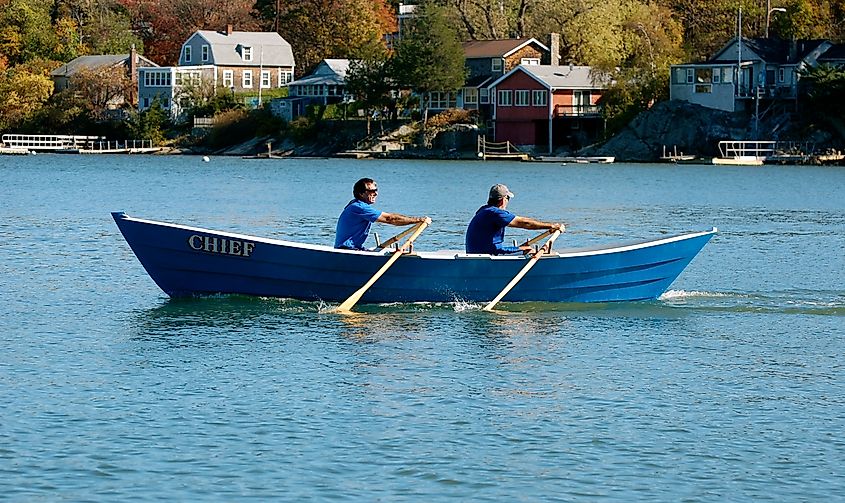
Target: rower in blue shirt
{"points": [[353, 225], [486, 231]]}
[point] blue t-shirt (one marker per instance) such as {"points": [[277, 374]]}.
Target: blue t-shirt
{"points": [[486, 231], [354, 223]]}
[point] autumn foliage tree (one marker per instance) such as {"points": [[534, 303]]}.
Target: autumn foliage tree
{"points": [[429, 57], [320, 29], [164, 26]]}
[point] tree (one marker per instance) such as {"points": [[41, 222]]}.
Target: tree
{"points": [[368, 79], [823, 88], [101, 88], [26, 31], [23, 91], [164, 26], [429, 57], [102, 26], [320, 29], [149, 124]]}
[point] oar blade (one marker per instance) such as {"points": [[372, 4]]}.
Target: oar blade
{"points": [[346, 305]]}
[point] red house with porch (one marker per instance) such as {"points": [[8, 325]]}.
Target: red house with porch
{"points": [[545, 107]]}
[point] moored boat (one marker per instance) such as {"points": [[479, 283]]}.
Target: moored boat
{"points": [[192, 261]]}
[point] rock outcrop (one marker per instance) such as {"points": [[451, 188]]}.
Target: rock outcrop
{"points": [[691, 129]]}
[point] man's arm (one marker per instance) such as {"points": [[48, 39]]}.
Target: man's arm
{"points": [[399, 219], [531, 224]]}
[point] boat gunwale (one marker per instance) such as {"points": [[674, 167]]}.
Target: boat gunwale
{"points": [[435, 255]]}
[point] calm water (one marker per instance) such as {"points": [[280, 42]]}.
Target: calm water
{"points": [[729, 388]]}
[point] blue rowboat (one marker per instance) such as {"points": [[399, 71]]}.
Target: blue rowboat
{"points": [[191, 261]]}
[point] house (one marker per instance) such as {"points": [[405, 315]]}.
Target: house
{"points": [[238, 62], [122, 64], [326, 84], [547, 106], [243, 61], [486, 61], [745, 70]]}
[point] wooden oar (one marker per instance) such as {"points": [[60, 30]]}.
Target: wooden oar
{"points": [[346, 305], [395, 238], [537, 238], [527, 267]]}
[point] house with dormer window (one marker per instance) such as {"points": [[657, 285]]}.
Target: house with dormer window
{"points": [[223, 61], [243, 60]]}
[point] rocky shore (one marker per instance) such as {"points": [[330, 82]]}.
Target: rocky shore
{"points": [[668, 127]]}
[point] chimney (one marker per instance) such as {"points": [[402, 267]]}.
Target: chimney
{"points": [[133, 74], [228, 29], [554, 49]]}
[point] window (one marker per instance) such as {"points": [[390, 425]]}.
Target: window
{"points": [[521, 97], [717, 75], [690, 73], [506, 98], [541, 98], [285, 76], [703, 88], [187, 54], [781, 75], [146, 102], [157, 78], [727, 75], [246, 53], [246, 79], [205, 52], [265, 79], [442, 100], [496, 65], [529, 61], [228, 78], [703, 75], [470, 95], [484, 95]]}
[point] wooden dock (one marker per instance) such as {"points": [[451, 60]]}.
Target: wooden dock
{"points": [[502, 150]]}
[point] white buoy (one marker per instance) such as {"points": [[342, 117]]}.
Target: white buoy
{"points": [[205, 158]]}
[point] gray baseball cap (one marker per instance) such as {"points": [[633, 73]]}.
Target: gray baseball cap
{"points": [[500, 191]]}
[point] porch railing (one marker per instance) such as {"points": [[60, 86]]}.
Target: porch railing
{"points": [[577, 110]]}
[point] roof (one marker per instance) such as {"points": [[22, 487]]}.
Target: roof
{"points": [[835, 53], [329, 71], [93, 62], [559, 76], [774, 50], [497, 48], [269, 48]]}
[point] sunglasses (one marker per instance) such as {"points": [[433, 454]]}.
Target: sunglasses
{"points": [[372, 191]]}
